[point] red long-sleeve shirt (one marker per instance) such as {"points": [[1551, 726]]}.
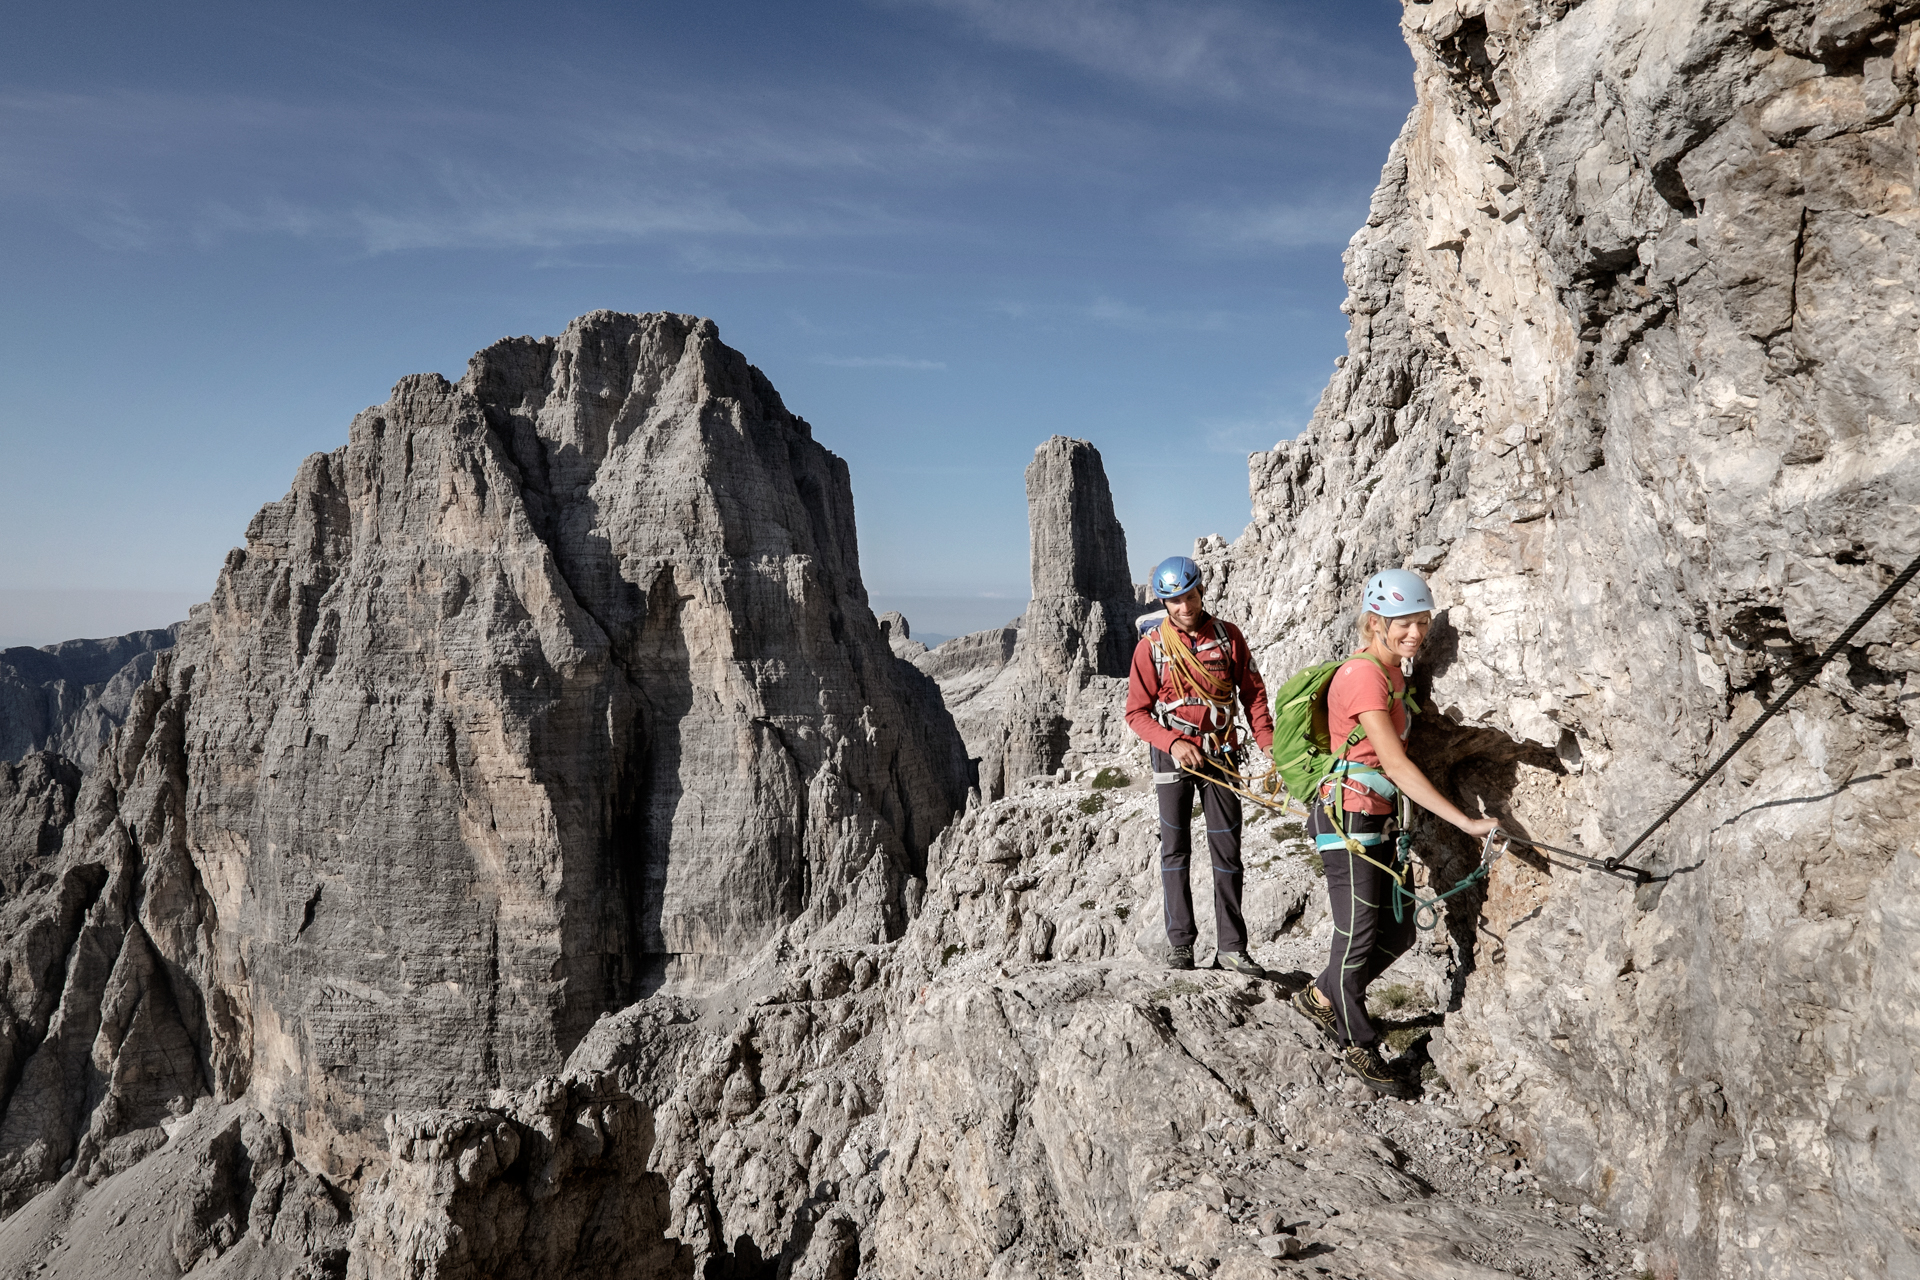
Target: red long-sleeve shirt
{"points": [[1143, 688]]}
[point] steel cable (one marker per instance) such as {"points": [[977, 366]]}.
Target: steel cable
{"points": [[1807, 677]]}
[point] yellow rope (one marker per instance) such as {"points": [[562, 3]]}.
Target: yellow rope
{"points": [[1187, 667], [1269, 782]]}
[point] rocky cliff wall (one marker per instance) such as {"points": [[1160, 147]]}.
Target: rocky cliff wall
{"points": [[552, 688], [1633, 376], [69, 697]]}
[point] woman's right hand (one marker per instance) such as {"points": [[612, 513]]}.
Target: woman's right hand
{"points": [[1478, 828]]}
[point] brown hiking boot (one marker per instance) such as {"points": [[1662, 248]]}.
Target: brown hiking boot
{"points": [[1320, 1015], [1362, 1062]]}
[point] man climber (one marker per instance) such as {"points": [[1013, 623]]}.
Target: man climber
{"points": [[1187, 672]]}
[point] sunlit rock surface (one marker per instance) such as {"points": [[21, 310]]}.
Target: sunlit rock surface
{"points": [[1634, 377]]}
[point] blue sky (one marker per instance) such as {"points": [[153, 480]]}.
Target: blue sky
{"points": [[946, 229]]}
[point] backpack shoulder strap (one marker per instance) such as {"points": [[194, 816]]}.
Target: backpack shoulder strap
{"points": [[1359, 733], [1403, 695]]}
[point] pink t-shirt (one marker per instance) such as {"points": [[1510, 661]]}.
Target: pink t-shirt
{"points": [[1360, 685]]}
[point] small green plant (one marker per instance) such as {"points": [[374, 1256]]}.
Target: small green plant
{"points": [[1397, 996], [951, 950], [1430, 1074], [1058, 845], [1122, 912], [1401, 1039], [1196, 810], [1088, 905], [1318, 864], [1093, 804], [1109, 778], [1472, 1067], [1290, 831], [1178, 987]]}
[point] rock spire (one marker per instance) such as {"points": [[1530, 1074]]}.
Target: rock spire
{"points": [[1048, 688]]}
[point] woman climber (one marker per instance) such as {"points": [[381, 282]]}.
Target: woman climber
{"points": [[1367, 711]]}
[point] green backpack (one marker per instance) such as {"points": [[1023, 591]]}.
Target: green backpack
{"points": [[1302, 746]]}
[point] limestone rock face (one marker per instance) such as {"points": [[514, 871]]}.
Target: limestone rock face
{"points": [[552, 688], [112, 1026], [69, 697], [1083, 601], [36, 804], [898, 634], [1633, 377], [1050, 687]]}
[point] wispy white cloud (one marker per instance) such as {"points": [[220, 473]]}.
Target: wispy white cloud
{"points": [[1290, 225], [1114, 313], [1240, 436], [139, 171], [878, 362], [1208, 48], [1128, 315]]}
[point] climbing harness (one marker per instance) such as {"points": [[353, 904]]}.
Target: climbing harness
{"points": [[1265, 789], [1185, 681]]}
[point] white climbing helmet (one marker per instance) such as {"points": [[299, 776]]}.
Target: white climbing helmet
{"points": [[1394, 593]]}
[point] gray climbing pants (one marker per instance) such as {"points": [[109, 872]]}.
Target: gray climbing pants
{"points": [[1366, 937], [1221, 808]]}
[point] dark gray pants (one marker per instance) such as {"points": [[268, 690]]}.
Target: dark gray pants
{"points": [[1366, 937], [1221, 808]]}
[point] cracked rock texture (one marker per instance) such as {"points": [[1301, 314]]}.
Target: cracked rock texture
{"points": [[1634, 376], [1049, 689], [69, 697]]}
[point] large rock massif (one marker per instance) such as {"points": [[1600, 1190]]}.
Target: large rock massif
{"points": [[1047, 690], [1634, 374], [550, 689]]}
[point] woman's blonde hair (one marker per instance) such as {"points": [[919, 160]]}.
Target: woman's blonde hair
{"points": [[1369, 622]]}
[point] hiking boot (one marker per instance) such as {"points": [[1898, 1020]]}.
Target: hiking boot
{"points": [[1179, 957], [1239, 962], [1362, 1062], [1320, 1015]]}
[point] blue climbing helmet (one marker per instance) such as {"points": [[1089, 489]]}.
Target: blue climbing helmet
{"points": [[1395, 593], [1175, 576]]}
